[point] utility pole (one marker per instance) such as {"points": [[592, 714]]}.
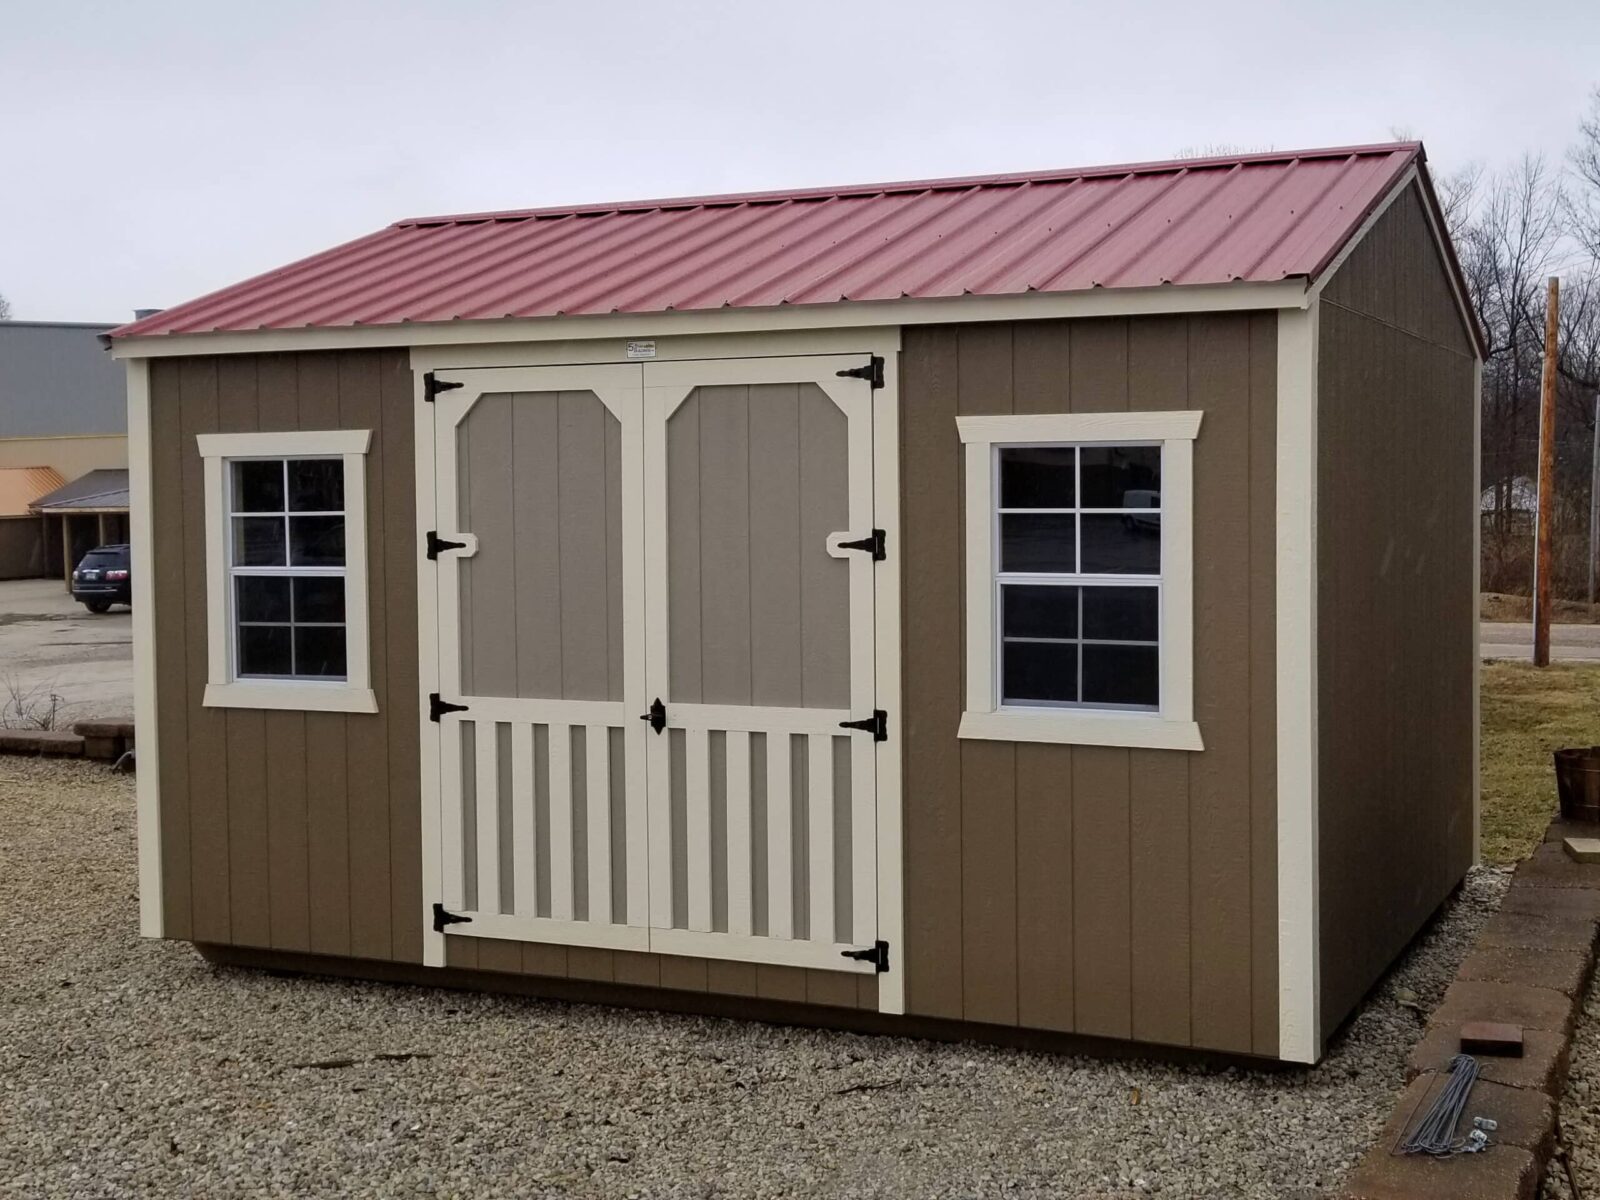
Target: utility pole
{"points": [[1594, 502], [1547, 478]]}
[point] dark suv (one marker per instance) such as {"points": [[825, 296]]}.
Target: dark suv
{"points": [[103, 578]]}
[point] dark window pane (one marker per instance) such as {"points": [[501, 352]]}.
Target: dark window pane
{"points": [[258, 486], [319, 598], [1124, 614], [316, 484], [1121, 476], [316, 541], [262, 598], [1038, 611], [264, 650], [1121, 675], [258, 541], [319, 650], [1042, 542], [1036, 477], [1121, 545], [1039, 671]]}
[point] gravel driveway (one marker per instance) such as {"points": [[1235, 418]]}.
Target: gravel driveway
{"points": [[133, 1068]]}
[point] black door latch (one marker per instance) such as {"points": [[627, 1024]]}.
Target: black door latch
{"points": [[874, 544], [657, 716], [878, 955], [877, 725], [438, 545], [441, 918], [438, 707]]}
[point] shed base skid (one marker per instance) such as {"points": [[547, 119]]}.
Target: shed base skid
{"points": [[712, 1004]]}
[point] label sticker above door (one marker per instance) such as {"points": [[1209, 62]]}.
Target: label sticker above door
{"points": [[641, 349]]}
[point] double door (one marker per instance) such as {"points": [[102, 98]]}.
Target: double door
{"points": [[655, 596]]}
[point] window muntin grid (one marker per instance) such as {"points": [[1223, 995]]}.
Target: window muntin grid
{"points": [[1077, 575], [286, 562]]}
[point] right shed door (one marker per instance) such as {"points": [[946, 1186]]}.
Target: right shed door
{"points": [[759, 649]]}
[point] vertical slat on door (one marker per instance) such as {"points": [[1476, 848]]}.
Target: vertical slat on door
{"points": [[452, 826], [561, 904], [780, 833], [697, 775], [488, 781], [524, 860], [863, 844], [741, 898], [597, 749], [819, 821]]}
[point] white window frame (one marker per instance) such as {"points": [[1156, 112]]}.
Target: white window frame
{"points": [[353, 693], [1172, 725]]}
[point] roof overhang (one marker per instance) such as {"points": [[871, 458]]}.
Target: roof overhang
{"points": [[1031, 306]]}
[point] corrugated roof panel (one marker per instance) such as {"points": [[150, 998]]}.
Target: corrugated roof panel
{"points": [[1254, 218]]}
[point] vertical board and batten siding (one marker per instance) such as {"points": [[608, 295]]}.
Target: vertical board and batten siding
{"points": [[1113, 892], [1396, 601], [285, 830]]}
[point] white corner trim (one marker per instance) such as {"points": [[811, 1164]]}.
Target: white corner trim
{"points": [[838, 315], [296, 697], [1174, 727], [1082, 427], [284, 444], [1299, 951], [1135, 731], [141, 534], [1477, 628], [353, 693]]}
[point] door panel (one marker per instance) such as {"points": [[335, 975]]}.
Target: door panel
{"points": [[543, 806], [760, 643]]}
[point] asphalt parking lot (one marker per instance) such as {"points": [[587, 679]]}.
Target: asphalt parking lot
{"points": [[55, 654]]}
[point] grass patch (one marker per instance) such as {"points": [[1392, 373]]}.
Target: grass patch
{"points": [[1527, 714]]}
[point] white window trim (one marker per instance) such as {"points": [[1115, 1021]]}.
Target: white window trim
{"points": [[353, 693], [1173, 726]]}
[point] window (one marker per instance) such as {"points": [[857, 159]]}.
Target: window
{"points": [[1079, 594], [286, 570]]}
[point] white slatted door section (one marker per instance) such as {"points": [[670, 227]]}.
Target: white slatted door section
{"points": [[539, 476], [759, 643]]}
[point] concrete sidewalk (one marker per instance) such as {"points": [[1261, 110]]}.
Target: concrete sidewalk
{"points": [[51, 645]]}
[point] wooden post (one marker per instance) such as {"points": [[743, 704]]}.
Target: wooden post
{"points": [[1547, 478]]}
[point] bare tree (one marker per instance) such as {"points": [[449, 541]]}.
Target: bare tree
{"points": [[5, 308]]}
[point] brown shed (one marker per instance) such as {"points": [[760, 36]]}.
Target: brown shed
{"points": [[1005, 607]]}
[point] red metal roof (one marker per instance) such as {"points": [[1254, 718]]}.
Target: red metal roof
{"points": [[1253, 218]]}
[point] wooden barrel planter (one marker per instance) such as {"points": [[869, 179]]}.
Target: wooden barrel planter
{"points": [[1578, 783]]}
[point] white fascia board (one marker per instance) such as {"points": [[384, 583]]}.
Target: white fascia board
{"points": [[1098, 302]]}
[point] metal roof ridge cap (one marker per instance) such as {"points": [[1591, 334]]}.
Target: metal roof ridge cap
{"points": [[951, 183]]}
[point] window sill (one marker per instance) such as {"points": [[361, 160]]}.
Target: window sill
{"points": [[291, 696], [1081, 729]]}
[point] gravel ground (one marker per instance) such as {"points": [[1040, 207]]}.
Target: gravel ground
{"points": [[134, 1068], [1580, 1109]]}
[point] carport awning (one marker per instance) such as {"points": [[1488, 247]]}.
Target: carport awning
{"points": [[100, 491]]}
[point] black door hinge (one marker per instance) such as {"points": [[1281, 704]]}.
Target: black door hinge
{"points": [[874, 544], [441, 918], [432, 386], [438, 545], [657, 716], [878, 956], [437, 707], [872, 372], [877, 725]]}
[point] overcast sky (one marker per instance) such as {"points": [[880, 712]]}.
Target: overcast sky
{"points": [[153, 151]]}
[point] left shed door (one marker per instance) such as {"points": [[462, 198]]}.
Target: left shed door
{"points": [[543, 832]]}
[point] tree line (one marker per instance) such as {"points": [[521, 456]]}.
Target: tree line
{"points": [[1513, 228]]}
